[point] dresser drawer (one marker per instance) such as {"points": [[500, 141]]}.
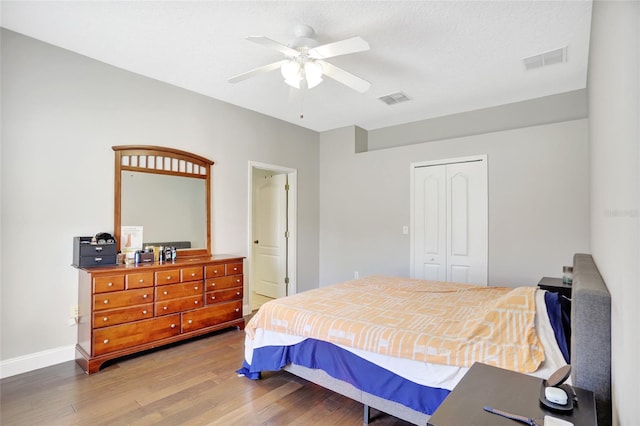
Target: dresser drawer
{"points": [[121, 299], [224, 295], [174, 291], [96, 249], [140, 280], [97, 260], [214, 271], [120, 316], [191, 274], [110, 283], [212, 315], [222, 283], [177, 305], [123, 336], [234, 268], [169, 276]]}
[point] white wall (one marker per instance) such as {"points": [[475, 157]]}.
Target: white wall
{"points": [[538, 201], [614, 117], [61, 113]]}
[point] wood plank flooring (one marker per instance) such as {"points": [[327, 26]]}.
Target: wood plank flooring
{"points": [[191, 383]]}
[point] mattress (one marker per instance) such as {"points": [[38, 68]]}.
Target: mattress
{"points": [[415, 383]]}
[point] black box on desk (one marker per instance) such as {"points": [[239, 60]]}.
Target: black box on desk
{"points": [[86, 254]]}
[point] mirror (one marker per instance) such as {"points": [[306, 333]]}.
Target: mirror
{"points": [[166, 192]]}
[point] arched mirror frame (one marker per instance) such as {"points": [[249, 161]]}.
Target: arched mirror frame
{"points": [[164, 161]]}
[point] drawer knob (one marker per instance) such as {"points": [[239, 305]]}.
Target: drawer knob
{"points": [[106, 301], [190, 321], [237, 293], [213, 298], [168, 277], [173, 326], [110, 284], [213, 284], [144, 312], [144, 296], [195, 288], [141, 280], [195, 302], [165, 308], [193, 274], [106, 341], [215, 271], [105, 319], [238, 280], [165, 292], [235, 269], [237, 309]]}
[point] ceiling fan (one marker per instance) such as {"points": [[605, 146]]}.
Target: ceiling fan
{"points": [[304, 64]]}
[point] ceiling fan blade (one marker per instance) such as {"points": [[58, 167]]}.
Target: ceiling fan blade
{"points": [[344, 77], [350, 45], [264, 68], [274, 45]]}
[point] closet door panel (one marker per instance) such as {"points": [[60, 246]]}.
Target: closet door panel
{"points": [[467, 223], [430, 240]]}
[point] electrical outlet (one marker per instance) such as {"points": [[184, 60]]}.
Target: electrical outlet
{"points": [[356, 275], [75, 311]]}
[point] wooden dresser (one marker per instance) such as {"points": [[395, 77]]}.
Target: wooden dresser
{"points": [[125, 309]]}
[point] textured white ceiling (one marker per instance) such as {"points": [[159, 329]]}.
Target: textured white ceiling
{"points": [[447, 56]]}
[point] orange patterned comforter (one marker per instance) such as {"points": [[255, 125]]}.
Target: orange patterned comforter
{"points": [[437, 322]]}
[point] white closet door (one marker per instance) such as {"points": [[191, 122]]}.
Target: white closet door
{"points": [[450, 222], [430, 260], [467, 223]]}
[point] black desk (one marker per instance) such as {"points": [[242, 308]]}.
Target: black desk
{"points": [[555, 285], [507, 391]]}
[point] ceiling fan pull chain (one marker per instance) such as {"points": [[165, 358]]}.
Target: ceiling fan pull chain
{"points": [[303, 90]]}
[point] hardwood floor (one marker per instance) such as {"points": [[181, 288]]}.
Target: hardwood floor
{"points": [[192, 383]]}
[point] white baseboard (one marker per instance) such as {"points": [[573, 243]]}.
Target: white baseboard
{"points": [[25, 363]]}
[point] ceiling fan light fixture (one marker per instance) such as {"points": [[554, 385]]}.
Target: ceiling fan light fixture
{"points": [[290, 70], [294, 72], [313, 73]]}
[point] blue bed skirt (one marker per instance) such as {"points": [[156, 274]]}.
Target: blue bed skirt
{"points": [[350, 368]]}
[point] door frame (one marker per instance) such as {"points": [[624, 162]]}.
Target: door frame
{"points": [[412, 206], [292, 212]]}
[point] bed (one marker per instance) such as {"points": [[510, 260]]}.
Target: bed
{"points": [[331, 336]]}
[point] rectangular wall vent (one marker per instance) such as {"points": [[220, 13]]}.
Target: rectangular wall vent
{"points": [[394, 98], [555, 56]]}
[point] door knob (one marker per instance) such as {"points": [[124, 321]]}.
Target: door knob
{"points": [[255, 242]]}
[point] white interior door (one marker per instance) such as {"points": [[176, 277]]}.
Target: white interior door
{"points": [[450, 220], [467, 223], [269, 233], [430, 260]]}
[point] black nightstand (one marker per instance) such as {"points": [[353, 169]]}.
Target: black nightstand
{"points": [[505, 390], [555, 285]]}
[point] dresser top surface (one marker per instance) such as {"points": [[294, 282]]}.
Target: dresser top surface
{"points": [[179, 263]]}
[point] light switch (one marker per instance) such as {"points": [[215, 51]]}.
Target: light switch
{"points": [[405, 230]]}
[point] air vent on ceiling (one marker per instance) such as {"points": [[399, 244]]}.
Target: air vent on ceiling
{"points": [[547, 58], [394, 98]]}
